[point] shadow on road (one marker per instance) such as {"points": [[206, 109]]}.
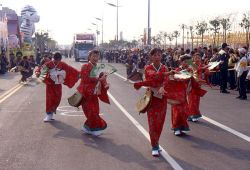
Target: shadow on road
{"points": [[202, 144], [66, 131], [123, 152], [207, 125], [187, 165]]}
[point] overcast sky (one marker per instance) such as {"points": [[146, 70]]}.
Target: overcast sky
{"points": [[64, 18]]}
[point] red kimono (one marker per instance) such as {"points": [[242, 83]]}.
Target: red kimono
{"points": [[157, 109], [195, 94], [179, 112], [53, 90], [90, 103]]}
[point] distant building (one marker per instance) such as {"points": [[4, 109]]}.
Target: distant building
{"points": [[3, 30], [121, 36], [13, 30], [10, 32]]}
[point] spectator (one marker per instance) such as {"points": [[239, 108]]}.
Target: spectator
{"points": [[12, 60], [233, 59], [38, 56], [25, 68], [223, 58], [242, 70], [3, 63]]}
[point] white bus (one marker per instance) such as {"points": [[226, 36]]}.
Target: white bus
{"points": [[83, 43]]}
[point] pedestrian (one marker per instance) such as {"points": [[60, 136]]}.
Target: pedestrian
{"points": [[12, 60], [179, 111], [223, 58], [25, 69], [231, 64], [93, 87], [242, 71], [196, 92], [155, 73], [38, 56], [32, 63], [3, 63], [57, 73]]}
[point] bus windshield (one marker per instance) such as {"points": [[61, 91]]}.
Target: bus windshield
{"points": [[83, 46]]}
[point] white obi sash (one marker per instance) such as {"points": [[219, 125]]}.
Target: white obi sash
{"points": [[57, 76]]}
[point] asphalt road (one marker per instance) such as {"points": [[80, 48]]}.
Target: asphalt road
{"points": [[27, 143]]}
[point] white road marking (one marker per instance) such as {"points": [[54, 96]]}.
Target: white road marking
{"points": [[164, 153], [73, 115], [10, 92], [71, 111], [228, 129]]}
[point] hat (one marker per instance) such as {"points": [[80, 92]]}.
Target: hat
{"points": [[242, 50], [224, 45]]}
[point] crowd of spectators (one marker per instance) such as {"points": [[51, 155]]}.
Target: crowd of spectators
{"points": [[224, 76]]}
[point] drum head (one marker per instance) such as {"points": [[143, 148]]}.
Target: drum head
{"points": [[144, 101]]}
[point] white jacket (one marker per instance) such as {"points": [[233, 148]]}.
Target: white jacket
{"points": [[241, 66]]}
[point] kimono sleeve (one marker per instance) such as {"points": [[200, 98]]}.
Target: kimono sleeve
{"points": [[72, 75]]}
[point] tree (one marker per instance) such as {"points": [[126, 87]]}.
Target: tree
{"points": [[154, 39], [245, 24], [170, 38], [201, 28], [165, 35], [192, 35], [226, 25], [183, 27], [134, 43], [160, 38], [176, 34], [215, 23], [41, 40]]}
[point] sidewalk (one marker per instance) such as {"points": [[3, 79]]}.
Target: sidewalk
{"points": [[8, 80]]}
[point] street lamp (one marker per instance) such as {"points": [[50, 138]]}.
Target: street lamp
{"points": [[97, 33], [99, 19], [113, 5], [149, 29]]}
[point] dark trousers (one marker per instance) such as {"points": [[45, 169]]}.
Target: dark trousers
{"points": [[223, 80], [215, 78], [242, 84], [232, 79]]}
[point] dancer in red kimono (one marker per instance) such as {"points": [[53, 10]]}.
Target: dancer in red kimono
{"points": [[92, 87], [196, 91], [155, 74], [179, 112], [56, 73]]}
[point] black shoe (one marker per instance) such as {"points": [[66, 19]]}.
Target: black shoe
{"points": [[239, 97], [243, 98]]}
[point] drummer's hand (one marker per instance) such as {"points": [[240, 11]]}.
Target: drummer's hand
{"points": [[137, 86], [103, 78], [161, 91], [206, 66], [174, 72]]}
